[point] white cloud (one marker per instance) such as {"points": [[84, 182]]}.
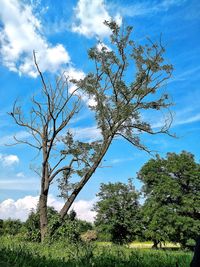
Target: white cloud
{"points": [[101, 45], [20, 208], [83, 209], [20, 175], [72, 73], [20, 35], [8, 160], [90, 16]]}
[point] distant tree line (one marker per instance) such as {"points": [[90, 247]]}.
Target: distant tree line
{"points": [[69, 231]]}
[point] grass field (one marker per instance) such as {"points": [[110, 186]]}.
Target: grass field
{"points": [[14, 253]]}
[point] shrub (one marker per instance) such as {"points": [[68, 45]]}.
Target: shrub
{"points": [[90, 235]]}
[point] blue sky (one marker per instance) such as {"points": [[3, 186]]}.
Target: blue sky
{"points": [[61, 32]]}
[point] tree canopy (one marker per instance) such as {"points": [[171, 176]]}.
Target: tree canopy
{"points": [[171, 211], [117, 211]]}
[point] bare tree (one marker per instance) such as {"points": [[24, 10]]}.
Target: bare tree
{"points": [[118, 109], [49, 116]]}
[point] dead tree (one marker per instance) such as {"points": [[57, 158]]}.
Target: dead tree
{"points": [[50, 114]]}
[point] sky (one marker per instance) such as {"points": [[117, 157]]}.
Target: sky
{"points": [[61, 32]]}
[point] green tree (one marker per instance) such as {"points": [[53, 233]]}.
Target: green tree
{"points": [[117, 211], [171, 211], [123, 85]]}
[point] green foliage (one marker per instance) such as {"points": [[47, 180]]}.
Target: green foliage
{"points": [[11, 227], [172, 190], [117, 211], [83, 155], [32, 225], [68, 229], [119, 97], [124, 84]]}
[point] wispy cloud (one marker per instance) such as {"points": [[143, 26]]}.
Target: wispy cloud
{"points": [[187, 120], [19, 184], [121, 160], [87, 133], [145, 8], [9, 140], [184, 75], [20, 35], [184, 116]]}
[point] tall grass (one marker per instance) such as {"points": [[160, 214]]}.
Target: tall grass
{"points": [[23, 254]]}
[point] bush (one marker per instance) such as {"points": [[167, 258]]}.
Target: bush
{"points": [[90, 235], [11, 227], [32, 226]]}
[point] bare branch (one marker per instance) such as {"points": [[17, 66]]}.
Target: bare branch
{"points": [[18, 141], [64, 168], [40, 73]]}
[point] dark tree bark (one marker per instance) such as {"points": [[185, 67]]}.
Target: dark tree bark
{"points": [[196, 258]]}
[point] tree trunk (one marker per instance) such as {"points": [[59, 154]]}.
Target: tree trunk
{"points": [[155, 244], [44, 189], [43, 202], [85, 179], [43, 215]]}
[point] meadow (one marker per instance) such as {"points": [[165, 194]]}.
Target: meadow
{"points": [[16, 253]]}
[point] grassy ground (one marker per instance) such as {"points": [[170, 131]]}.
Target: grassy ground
{"points": [[20, 254]]}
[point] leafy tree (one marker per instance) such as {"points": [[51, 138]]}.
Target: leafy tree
{"points": [[117, 211], [119, 103], [120, 100], [171, 211]]}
